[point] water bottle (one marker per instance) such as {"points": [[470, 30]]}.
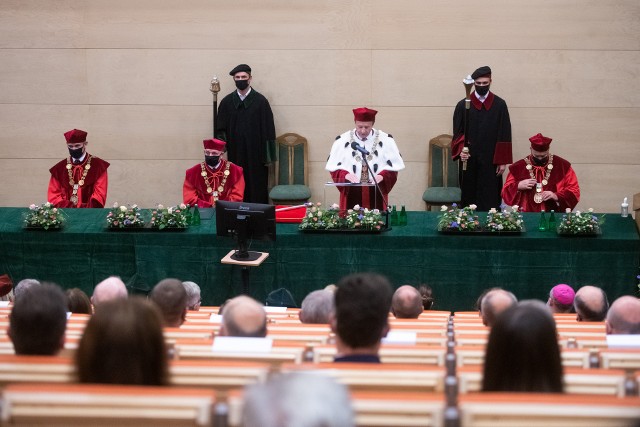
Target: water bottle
{"points": [[394, 216], [542, 225], [624, 208], [402, 219], [195, 217], [552, 221]]}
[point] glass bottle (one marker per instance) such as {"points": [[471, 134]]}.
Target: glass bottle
{"points": [[624, 208], [195, 216], [394, 216], [187, 214], [542, 225], [402, 218], [552, 221]]}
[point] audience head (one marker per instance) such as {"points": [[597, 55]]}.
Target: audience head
{"points": [[299, 399], [522, 353], [591, 304], [561, 299], [6, 288], [244, 317], [123, 344], [109, 289], [77, 301], [170, 297], [362, 304], [193, 295], [624, 316], [494, 303], [406, 303], [317, 307], [38, 320], [426, 293], [23, 286]]}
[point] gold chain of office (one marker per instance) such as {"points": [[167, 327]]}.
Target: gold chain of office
{"points": [[74, 194], [209, 184], [538, 196]]}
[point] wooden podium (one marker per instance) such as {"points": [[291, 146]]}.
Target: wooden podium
{"points": [[246, 265]]}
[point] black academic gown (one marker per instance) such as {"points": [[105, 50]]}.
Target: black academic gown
{"points": [[247, 127], [489, 141]]}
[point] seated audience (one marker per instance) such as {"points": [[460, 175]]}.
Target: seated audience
{"points": [[78, 302], [243, 317], [522, 353], [193, 295], [494, 303], [109, 289], [561, 299], [624, 316], [406, 303], [22, 287], [317, 307], [360, 320], [38, 320], [170, 297], [6, 288], [591, 304], [298, 399], [123, 344], [426, 293]]}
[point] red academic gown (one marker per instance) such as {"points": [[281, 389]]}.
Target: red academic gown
{"points": [[562, 181], [365, 196], [92, 194], [194, 190]]}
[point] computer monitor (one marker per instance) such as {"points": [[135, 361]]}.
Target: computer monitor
{"points": [[245, 222]]}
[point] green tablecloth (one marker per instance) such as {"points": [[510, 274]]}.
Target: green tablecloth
{"points": [[457, 267]]}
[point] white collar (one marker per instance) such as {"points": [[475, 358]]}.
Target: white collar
{"points": [[242, 97]]}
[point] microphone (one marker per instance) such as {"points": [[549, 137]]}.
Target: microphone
{"points": [[357, 147]]}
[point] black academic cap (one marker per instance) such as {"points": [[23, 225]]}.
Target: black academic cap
{"points": [[240, 68], [481, 72]]}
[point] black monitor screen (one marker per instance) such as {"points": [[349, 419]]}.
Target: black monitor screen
{"points": [[245, 222]]}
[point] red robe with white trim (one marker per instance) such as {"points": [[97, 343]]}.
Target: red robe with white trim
{"points": [[92, 194], [194, 189]]}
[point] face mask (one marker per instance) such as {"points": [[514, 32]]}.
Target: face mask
{"points": [[540, 162], [212, 161], [242, 84], [482, 90], [76, 153]]}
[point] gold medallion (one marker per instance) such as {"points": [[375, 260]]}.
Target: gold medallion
{"points": [[226, 172], [88, 166], [537, 198], [69, 166], [71, 182], [221, 189], [545, 182], [203, 173], [209, 189], [74, 199], [81, 182], [549, 166]]}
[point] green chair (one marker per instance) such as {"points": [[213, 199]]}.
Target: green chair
{"points": [[291, 171], [443, 188]]}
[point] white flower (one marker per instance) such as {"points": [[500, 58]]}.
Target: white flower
{"points": [[458, 220], [160, 207], [578, 213], [123, 208], [48, 205], [443, 208], [335, 206], [500, 226], [115, 204], [318, 204], [183, 206], [319, 212], [492, 210], [55, 210], [356, 208], [473, 207], [515, 208], [568, 210], [376, 211], [590, 210], [170, 210], [134, 207], [310, 215], [366, 210], [33, 207]]}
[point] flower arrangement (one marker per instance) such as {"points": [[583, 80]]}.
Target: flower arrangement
{"points": [[505, 220], [358, 218], [122, 216], [45, 216], [171, 217], [317, 218], [363, 218], [456, 219], [580, 222]]}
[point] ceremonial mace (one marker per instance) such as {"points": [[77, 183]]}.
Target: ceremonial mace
{"points": [[468, 84], [215, 88]]}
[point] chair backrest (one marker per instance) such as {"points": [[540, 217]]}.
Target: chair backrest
{"points": [[443, 171], [291, 168]]}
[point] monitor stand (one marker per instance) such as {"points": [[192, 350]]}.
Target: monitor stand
{"points": [[246, 264]]}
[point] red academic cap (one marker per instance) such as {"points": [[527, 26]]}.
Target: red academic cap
{"points": [[74, 136], [5, 285], [364, 114], [540, 142], [214, 144]]}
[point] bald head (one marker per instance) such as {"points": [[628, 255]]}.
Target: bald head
{"points": [[494, 303], [624, 316], [111, 288], [406, 303], [244, 317], [591, 304]]}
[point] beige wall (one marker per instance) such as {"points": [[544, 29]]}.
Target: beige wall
{"points": [[135, 75]]}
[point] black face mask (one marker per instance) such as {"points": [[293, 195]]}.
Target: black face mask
{"points": [[540, 162], [75, 153], [482, 90], [212, 161], [242, 84]]}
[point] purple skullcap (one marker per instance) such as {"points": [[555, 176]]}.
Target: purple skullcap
{"points": [[564, 294]]}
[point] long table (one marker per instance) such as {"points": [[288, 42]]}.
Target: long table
{"points": [[457, 267]]}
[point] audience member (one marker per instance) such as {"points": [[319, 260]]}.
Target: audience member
{"points": [[244, 317], [317, 307], [360, 320], [109, 289], [426, 293], [77, 301], [22, 287], [522, 353], [624, 316], [591, 304], [298, 399], [406, 303], [193, 295], [494, 303], [330, 287], [38, 320], [123, 344], [6, 288], [170, 297], [561, 299]]}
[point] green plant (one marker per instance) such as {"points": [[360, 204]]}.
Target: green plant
{"points": [[172, 217], [456, 219], [504, 220], [45, 216], [580, 222], [123, 216]]}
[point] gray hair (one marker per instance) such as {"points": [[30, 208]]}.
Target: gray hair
{"points": [[193, 294], [317, 307], [23, 286]]}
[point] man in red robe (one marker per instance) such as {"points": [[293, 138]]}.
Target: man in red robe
{"points": [[346, 163], [541, 181], [79, 181], [214, 179]]}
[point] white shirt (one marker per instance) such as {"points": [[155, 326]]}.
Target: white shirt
{"points": [[242, 97]]}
